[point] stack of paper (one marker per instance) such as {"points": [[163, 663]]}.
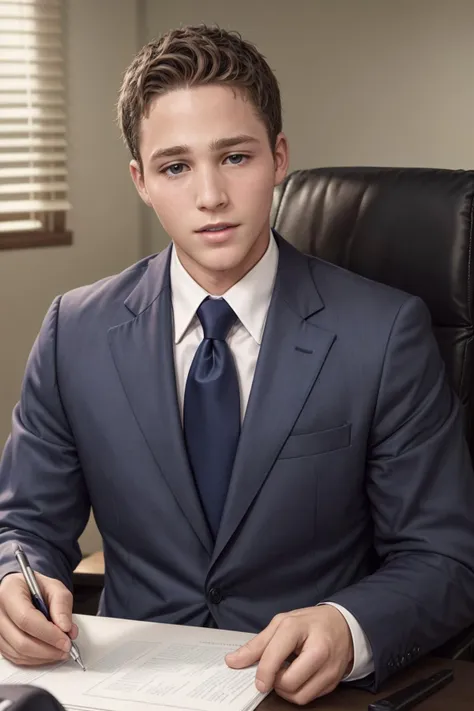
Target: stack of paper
{"points": [[146, 665]]}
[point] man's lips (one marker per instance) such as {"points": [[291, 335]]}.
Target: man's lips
{"points": [[216, 228]]}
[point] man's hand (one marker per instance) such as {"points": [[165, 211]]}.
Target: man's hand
{"points": [[322, 641], [26, 636]]}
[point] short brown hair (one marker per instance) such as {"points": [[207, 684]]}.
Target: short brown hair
{"points": [[193, 56]]}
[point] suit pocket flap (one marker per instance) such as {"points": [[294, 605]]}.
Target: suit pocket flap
{"points": [[305, 445]]}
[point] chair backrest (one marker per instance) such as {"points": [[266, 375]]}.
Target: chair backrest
{"points": [[411, 228]]}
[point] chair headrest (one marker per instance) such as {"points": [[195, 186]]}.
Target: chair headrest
{"points": [[411, 228]]}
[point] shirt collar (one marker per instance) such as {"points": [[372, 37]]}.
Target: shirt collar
{"points": [[249, 298]]}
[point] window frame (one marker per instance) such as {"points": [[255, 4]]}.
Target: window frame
{"points": [[57, 232]]}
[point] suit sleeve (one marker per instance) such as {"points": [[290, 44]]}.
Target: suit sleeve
{"points": [[420, 486], [44, 504]]}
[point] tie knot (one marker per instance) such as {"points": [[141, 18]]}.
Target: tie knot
{"points": [[216, 317]]}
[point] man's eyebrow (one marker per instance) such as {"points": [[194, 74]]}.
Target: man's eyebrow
{"points": [[217, 145], [171, 152], [231, 142]]}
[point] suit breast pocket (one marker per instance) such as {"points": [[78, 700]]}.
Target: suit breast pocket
{"points": [[307, 445]]}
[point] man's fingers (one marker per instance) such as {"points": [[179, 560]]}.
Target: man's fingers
{"points": [[17, 605], [319, 685], [59, 601], [8, 652], [252, 650], [35, 624], [249, 653], [24, 649], [74, 631], [286, 639], [300, 671]]}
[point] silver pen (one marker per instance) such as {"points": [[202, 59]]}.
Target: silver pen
{"points": [[38, 600]]}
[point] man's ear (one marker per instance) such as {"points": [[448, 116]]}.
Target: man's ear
{"points": [[281, 157], [137, 178]]}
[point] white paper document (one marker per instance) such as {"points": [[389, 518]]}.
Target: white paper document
{"points": [[146, 665]]}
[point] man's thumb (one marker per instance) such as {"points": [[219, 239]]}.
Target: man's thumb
{"points": [[60, 604], [246, 655], [251, 652]]}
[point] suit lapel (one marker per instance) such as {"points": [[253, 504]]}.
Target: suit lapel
{"points": [[291, 356], [142, 351]]}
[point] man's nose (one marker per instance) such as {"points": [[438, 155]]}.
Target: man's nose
{"points": [[210, 191]]}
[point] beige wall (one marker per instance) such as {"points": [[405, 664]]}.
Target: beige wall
{"points": [[102, 38], [381, 82]]}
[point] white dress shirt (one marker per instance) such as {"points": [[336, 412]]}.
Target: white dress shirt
{"points": [[250, 299]]}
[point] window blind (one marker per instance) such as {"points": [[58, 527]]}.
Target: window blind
{"points": [[33, 169]]}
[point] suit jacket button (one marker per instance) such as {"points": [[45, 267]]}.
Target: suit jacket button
{"points": [[215, 596]]}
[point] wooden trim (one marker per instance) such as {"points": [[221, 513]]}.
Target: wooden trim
{"points": [[92, 564], [29, 240], [90, 572]]}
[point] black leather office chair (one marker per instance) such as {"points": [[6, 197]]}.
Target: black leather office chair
{"points": [[408, 227]]}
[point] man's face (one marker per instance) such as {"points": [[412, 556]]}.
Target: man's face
{"points": [[207, 160]]}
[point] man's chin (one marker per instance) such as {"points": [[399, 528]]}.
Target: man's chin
{"points": [[229, 262], [223, 260]]}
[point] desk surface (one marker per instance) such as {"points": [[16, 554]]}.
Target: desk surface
{"points": [[458, 696]]}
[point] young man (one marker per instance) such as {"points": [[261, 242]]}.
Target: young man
{"points": [[267, 441]]}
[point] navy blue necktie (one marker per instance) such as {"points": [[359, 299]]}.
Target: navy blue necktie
{"points": [[212, 409]]}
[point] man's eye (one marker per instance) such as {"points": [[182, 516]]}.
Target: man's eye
{"points": [[236, 158], [175, 169]]}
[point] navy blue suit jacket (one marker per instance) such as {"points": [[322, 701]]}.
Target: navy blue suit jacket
{"points": [[352, 480]]}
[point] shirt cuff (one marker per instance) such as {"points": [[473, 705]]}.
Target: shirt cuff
{"points": [[363, 661]]}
